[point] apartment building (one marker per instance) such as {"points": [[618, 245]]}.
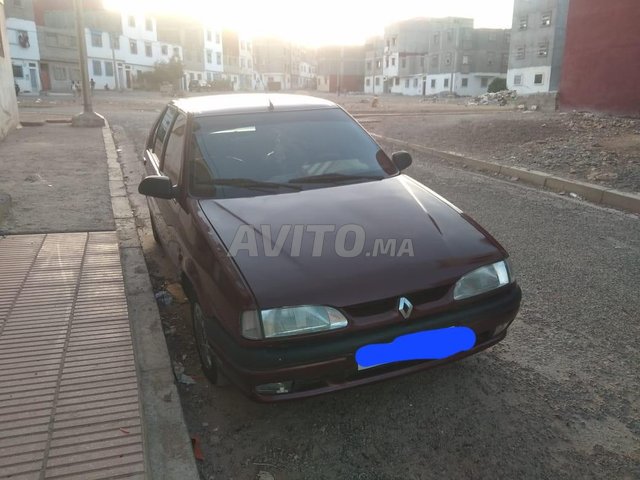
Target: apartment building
{"points": [[23, 45], [272, 63], [537, 45], [373, 61], [192, 39], [8, 103], [340, 68], [601, 69], [426, 56], [213, 63], [238, 61]]}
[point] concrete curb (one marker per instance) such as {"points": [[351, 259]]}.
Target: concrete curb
{"points": [[593, 193], [167, 445]]}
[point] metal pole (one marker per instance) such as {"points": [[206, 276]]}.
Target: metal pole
{"points": [[116, 73], [88, 118]]}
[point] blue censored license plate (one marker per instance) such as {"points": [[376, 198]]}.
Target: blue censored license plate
{"points": [[427, 345]]}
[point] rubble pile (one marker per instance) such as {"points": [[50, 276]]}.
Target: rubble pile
{"points": [[497, 98]]}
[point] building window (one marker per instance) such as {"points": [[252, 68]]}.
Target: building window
{"points": [[524, 22], [59, 73], [465, 82], [484, 81], [393, 61], [147, 50], [520, 53], [415, 82], [115, 43], [378, 63], [393, 41], [218, 58], [465, 59], [447, 59], [449, 36], [436, 39], [209, 36], [176, 51], [546, 19], [164, 49], [517, 79], [217, 38], [368, 82], [133, 47], [386, 62], [538, 79], [403, 62], [433, 83], [369, 66], [149, 24], [377, 80], [543, 49], [396, 81], [96, 40], [108, 69], [406, 83], [209, 56], [446, 82], [491, 58], [132, 21], [17, 71], [97, 67]]}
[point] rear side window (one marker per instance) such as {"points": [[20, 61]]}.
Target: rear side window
{"points": [[172, 162], [161, 132]]}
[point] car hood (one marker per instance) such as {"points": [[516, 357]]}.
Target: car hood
{"points": [[438, 243]]}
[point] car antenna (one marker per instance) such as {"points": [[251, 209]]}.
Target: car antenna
{"points": [[271, 107]]}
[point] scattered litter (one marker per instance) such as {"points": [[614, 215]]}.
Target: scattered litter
{"points": [[164, 298], [176, 291], [178, 371], [264, 475], [197, 451], [495, 98], [574, 195]]}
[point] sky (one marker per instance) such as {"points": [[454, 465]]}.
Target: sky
{"points": [[322, 22]]}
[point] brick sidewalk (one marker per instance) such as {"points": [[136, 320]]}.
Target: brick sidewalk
{"points": [[69, 398]]}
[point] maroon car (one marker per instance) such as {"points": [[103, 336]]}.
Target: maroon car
{"points": [[311, 262]]}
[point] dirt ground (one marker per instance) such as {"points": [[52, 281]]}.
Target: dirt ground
{"points": [[591, 148]]}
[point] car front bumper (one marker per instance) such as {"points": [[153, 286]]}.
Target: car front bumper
{"points": [[325, 366]]}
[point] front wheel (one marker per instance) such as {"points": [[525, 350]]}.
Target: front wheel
{"points": [[207, 356]]}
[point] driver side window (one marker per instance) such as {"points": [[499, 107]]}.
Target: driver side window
{"points": [[172, 161]]}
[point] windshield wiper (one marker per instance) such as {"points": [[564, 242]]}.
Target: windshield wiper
{"points": [[251, 184], [333, 177]]}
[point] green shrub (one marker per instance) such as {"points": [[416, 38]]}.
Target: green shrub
{"points": [[497, 85]]}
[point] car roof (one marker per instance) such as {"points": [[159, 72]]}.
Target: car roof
{"points": [[250, 103]]}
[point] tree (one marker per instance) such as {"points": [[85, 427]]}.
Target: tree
{"points": [[162, 72], [497, 85]]}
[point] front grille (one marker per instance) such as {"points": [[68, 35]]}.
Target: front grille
{"points": [[387, 304]]}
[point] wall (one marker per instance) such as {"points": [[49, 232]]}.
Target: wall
{"points": [[25, 55], [8, 103], [602, 57], [527, 84]]}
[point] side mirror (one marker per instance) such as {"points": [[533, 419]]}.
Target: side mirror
{"points": [[401, 159], [157, 186]]}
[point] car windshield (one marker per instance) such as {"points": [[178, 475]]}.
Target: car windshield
{"points": [[310, 149]]}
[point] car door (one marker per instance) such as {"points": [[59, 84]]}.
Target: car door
{"points": [[171, 165]]}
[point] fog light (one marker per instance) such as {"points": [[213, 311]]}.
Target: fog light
{"points": [[501, 328], [274, 388]]}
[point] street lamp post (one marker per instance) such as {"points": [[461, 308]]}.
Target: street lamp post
{"points": [[88, 118]]}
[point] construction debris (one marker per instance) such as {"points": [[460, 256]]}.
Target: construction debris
{"points": [[497, 98]]}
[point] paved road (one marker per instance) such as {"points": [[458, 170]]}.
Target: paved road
{"points": [[559, 398]]}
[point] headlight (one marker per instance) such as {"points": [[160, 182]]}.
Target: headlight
{"points": [[283, 322], [483, 279]]}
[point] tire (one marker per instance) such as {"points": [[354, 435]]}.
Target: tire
{"points": [[208, 359]]}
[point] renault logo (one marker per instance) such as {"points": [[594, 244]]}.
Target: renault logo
{"points": [[405, 307]]}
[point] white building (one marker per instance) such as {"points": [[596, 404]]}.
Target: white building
{"points": [[25, 54], [135, 51], [213, 59], [8, 104]]}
